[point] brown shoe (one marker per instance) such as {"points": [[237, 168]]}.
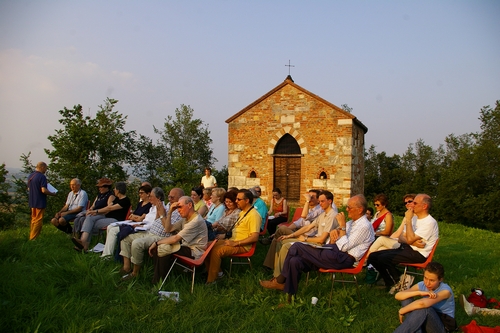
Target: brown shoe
{"points": [[272, 284]]}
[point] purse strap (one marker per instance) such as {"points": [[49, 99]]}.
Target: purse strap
{"points": [[240, 219]]}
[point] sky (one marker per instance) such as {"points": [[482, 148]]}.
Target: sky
{"points": [[409, 69]]}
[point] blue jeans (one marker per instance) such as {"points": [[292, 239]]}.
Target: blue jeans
{"points": [[421, 320]]}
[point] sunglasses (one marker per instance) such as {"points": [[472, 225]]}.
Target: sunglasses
{"points": [[408, 202]]}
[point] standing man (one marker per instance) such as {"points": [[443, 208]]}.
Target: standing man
{"points": [[37, 187], [208, 181], [76, 202], [419, 235]]}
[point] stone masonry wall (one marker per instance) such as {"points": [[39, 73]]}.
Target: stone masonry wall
{"points": [[328, 139]]}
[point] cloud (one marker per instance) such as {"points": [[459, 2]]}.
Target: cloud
{"points": [[34, 87]]}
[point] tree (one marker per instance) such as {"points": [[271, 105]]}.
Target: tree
{"points": [[469, 189], [181, 154], [90, 148], [7, 215], [20, 196], [222, 176]]}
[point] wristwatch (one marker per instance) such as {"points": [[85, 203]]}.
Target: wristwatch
{"points": [[341, 228], [162, 216]]}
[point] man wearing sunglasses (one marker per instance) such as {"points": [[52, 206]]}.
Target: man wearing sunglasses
{"points": [[419, 232], [391, 242]]}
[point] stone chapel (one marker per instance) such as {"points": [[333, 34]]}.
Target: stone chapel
{"points": [[295, 140]]}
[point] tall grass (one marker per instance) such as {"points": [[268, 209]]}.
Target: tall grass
{"points": [[46, 286]]}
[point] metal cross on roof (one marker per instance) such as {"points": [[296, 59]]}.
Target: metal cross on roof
{"points": [[289, 66]]}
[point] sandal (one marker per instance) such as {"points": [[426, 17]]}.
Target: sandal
{"points": [[78, 243]]}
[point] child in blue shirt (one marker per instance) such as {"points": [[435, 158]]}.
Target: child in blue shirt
{"points": [[434, 311]]}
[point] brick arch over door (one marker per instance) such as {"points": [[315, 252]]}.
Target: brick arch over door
{"points": [[287, 167]]}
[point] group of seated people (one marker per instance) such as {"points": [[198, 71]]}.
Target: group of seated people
{"points": [[320, 238]]}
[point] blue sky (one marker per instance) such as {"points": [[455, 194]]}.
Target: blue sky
{"points": [[409, 69]]}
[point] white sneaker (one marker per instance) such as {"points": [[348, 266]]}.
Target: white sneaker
{"points": [[468, 307], [395, 288], [220, 275], [408, 281]]}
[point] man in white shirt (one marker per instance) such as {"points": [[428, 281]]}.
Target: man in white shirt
{"points": [[420, 230], [76, 202], [208, 181]]}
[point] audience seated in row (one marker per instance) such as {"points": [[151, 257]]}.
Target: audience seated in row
{"points": [[134, 245], [244, 233], [348, 243], [419, 233], [320, 227], [100, 218], [144, 214]]}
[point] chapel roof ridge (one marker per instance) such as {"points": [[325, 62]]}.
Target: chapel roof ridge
{"points": [[289, 81]]}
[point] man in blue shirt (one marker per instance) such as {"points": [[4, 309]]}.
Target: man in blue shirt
{"points": [[37, 198]]}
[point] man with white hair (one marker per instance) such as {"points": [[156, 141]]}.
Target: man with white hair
{"points": [[76, 202]]}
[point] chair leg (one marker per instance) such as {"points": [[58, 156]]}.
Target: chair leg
{"points": [[168, 273], [230, 266], [331, 290], [192, 280], [357, 290]]}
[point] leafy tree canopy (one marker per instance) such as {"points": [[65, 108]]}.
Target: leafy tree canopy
{"points": [[90, 148]]}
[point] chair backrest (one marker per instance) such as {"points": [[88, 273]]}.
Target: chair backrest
{"points": [[129, 213], [429, 258], [297, 214], [197, 262], [263, 232]]}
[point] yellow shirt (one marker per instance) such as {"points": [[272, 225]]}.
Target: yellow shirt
{"points": [[248, 223]]}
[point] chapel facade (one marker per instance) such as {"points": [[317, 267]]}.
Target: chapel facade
{"points": [[295, 140]]}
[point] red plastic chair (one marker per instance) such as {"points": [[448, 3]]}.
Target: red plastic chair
{"points": [[350, 271], [189, 264], [246, 255], [296, 215], [421, 265]]}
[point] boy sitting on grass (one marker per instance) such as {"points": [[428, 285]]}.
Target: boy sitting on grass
{"points": [[434, 311]]}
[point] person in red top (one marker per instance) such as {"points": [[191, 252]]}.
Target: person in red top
{"points": [[278, 211]]}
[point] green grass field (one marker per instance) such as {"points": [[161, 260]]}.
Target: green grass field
{"points": [[46, 286]]}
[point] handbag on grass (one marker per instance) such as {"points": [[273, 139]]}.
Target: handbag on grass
{"points": [[166, 249]]}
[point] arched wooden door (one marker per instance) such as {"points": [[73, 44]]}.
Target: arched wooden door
{"points": [[287, 164]]}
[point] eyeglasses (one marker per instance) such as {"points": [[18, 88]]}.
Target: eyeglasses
{"points": [[408, 202], [171, 197]]}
